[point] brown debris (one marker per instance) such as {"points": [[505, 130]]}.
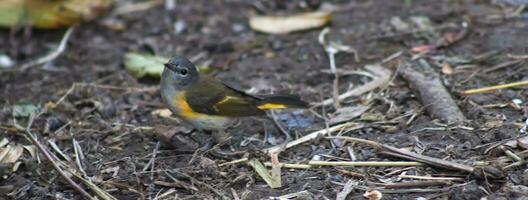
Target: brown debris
{"points": [[434, 96]]}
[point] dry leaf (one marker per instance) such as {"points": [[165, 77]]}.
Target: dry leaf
{"points": [[373, 195], [292, 23], [11, 154], [447, 69], [166, 113], [3, 142], [50, 14]]}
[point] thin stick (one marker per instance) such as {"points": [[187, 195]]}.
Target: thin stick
{"points": [[495, 87], [347, 188], [233, 162], [48, 157], [365, 163], [383, 78], [279, 126], [52, 55], [313, 135], [432, 178], [314, 163], [410, 155]]}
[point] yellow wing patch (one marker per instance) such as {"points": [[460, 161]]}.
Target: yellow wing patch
{"points": [[226, 99], [271, 106]]}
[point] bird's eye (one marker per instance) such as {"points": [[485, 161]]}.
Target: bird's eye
{"points": [[183, 72]]}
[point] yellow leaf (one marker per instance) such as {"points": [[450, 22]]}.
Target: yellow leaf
{"points": [[292, 23], [50, 13]]}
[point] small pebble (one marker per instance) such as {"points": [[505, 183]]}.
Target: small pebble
{"points": [[179, 26], [5, 61]]}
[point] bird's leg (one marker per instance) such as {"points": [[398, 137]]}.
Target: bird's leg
{"points": [[279, 126]]}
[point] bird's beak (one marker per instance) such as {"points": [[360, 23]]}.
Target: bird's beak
{"points": [[169, 66]]}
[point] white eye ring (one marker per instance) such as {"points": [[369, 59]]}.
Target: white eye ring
{"points": [[184, 72]]}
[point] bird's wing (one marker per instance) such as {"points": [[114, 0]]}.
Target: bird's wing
{"points": [[212, 97]]}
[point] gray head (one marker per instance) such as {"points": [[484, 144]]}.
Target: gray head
{"points": [[179, 72]]}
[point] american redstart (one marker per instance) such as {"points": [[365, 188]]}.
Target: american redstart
{"points": [[208, 104]]}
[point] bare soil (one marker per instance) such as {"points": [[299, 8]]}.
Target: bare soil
{"points": [[118, 133]]}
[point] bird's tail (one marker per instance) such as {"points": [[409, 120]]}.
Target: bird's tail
{"points": [[280, 101]]}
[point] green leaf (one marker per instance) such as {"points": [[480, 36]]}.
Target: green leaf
{"points": [[25, 110], [140, 65]]}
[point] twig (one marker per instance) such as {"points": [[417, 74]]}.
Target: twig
{"points": [[51, 56], [295, 195], [235, 195], [520, 57], [410, 155], [48, 157], [233, 162], [279, 126], [416, 184], [503, 65], [313, 135], [495, 87], [314, 163], [152, 161], [383, 78], [432, 93], [432, 178], [332, 48], [364, 163], [347, 188]]}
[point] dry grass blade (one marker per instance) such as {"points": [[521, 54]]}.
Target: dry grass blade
{"points": [[264, 174], [276, 168], [313, 135], [495, 87]]}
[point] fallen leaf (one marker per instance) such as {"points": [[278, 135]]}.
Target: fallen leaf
{"points": [[422, 22], [3, 142], [288, 24], [141, 65], [447, 69], [11, 154], [50, 14], [166, 113], [399, 24], [24, 110], [373, 195]]}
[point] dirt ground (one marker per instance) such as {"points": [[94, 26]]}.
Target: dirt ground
{"points": [[111, 119]]}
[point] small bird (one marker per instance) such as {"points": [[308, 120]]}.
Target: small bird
{"points": [[210, 105]]}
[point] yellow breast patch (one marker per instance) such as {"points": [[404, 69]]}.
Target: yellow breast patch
{"points": [[184, 109]]}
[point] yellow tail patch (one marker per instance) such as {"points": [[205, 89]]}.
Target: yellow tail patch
{"points": [[271, 106]]}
